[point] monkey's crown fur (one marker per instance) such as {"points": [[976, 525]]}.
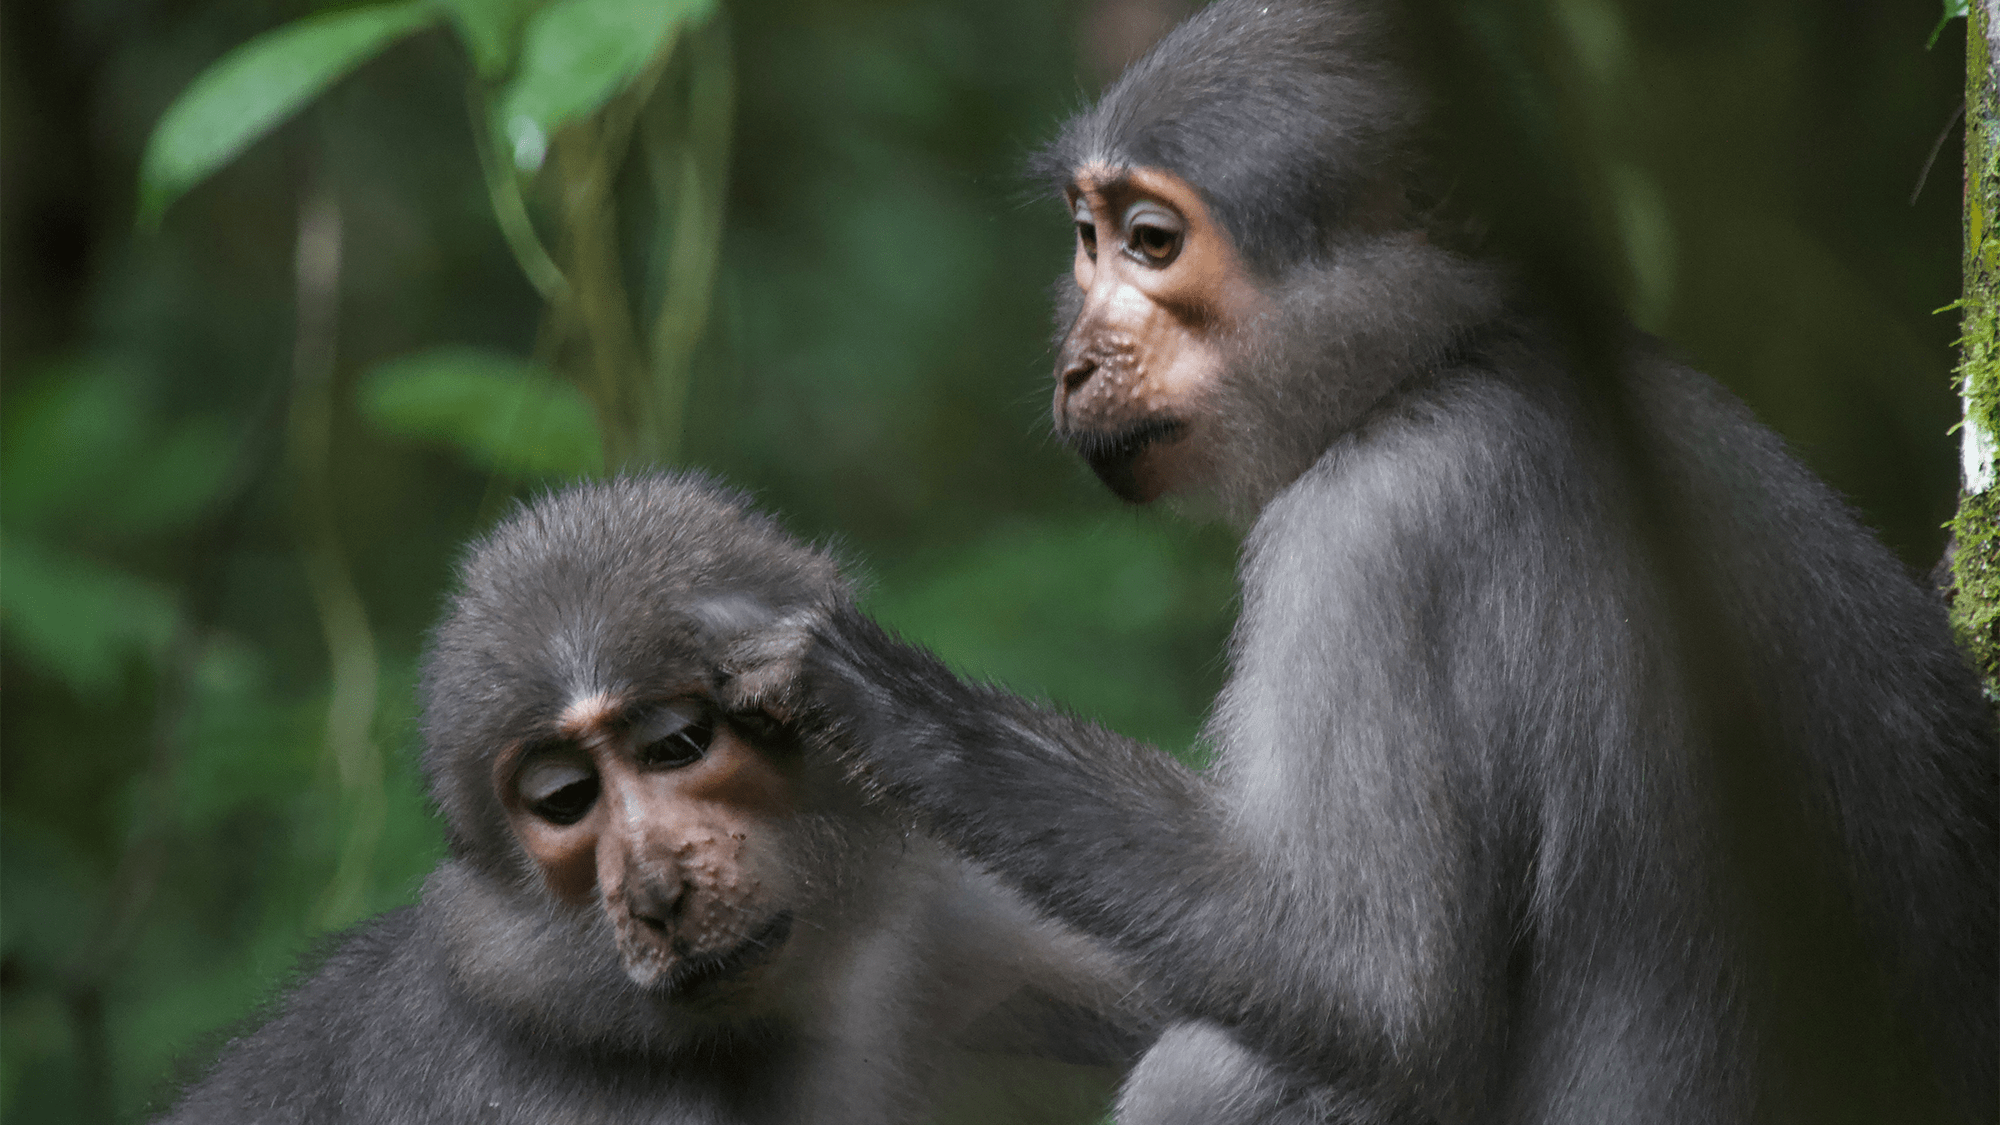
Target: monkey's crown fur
{"points": [[1280, 112], [599, 587]]}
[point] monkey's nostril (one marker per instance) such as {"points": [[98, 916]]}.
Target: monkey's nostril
{"points": [[1077, 373], [655, 904]]}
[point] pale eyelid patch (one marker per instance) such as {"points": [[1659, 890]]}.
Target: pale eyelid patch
{"points": [[1148, 212], [545, 777], [1086, 225], [669, 720]]}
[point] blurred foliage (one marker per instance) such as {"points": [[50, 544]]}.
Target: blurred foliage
{"points": [[239, 452]]}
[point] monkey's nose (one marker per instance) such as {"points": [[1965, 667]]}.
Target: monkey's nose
{"points": [[655, 903], [1076, 373]]}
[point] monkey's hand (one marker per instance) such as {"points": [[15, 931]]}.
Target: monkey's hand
{"points": [[975, 761], [760, 666], [877, 704]]}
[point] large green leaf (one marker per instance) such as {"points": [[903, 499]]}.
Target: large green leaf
{"points": [[574, 56], [254, 87], [491, 30], [76, 619], [78, 456], [500, 411]]}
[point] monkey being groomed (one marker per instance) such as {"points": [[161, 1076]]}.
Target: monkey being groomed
{"points": [[1583, 759], [656, 909]]}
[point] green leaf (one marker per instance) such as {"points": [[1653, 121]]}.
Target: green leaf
{"points": [[499, 411], [254, 87], [62, 441], [77, 452], [76, 619], [575, 55], [1953, 10], [491, 30]]}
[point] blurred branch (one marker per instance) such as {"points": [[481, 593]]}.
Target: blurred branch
{"points": [[1937, 146], [136, 877], [344, 620], [636, 375], [687, 160], [610, 366], [510, 211]]}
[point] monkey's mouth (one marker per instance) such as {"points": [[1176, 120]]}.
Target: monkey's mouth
{"points": [[688, 974], [1113, 454]]}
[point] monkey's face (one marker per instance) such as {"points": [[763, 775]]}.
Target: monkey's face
{"points": [[1162, 291], [667, 816]]}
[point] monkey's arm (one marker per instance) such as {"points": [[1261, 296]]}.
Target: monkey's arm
{"points": [[998, 776], [1329, 895], [1114, 838]]}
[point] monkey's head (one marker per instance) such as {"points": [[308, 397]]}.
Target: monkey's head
{"points": [[594, 779], [1249, 275]]}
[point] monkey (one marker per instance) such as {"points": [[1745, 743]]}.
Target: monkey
{"points": [[1497, 828], [655, 908]]}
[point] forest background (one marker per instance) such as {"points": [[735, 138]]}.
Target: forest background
{"points": [[243, 440]]}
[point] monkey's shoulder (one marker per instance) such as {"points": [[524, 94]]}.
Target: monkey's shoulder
{"points": [[358, 996], [381, 1029], [1449, 473]]}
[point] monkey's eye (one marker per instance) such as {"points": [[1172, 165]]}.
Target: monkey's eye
{"points": [[1153, 233], [1086, 229], [559, 790], [675, 736]]}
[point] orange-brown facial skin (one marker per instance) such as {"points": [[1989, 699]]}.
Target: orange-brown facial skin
{"points": [[679, 856], [1163, 291]]}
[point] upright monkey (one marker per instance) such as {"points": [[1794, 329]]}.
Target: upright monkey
{"points": [[1475, 847]]}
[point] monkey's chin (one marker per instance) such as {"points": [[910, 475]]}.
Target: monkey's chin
{"points": [[671, 971], [1138, 462]]}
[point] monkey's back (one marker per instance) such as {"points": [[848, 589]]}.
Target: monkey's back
{"points": [[1674, 934], [1862, 681], [1846, 947]]}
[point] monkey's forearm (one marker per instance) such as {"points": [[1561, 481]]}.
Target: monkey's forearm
{"points": [[1105, 833], [1042, 796]]}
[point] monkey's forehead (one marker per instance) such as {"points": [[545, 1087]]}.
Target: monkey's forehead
{"points": [[485, 692], [1276, 111], [522, 644]]}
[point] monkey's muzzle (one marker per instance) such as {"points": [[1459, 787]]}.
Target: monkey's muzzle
{"points": [[1114, 455], [679, 972]]}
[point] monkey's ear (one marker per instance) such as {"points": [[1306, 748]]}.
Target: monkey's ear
{"points": [[761, 666]]}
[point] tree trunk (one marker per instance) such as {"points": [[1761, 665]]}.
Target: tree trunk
{"points": [[1975, 595]]}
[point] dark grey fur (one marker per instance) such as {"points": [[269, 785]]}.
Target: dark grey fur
{"points": [[1485, 840], [488, 1001], [1273, 111]]}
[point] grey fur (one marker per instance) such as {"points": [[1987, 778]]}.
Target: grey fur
{"points": [[1576, 764], [908, 973]]}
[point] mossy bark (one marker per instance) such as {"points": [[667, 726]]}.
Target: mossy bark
{"points": [[1975, 612]]}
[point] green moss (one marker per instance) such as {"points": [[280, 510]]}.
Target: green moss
{"points": [[1976, 602]]}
